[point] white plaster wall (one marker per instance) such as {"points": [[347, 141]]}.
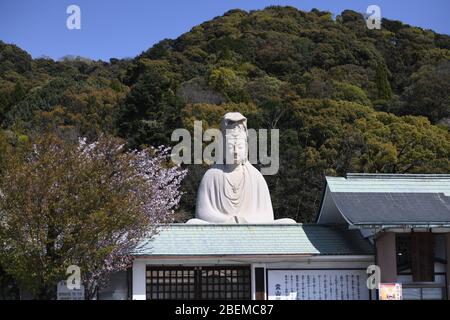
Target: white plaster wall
{"points": [[328, 263], [139, 281]]}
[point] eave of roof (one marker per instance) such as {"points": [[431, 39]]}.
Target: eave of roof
{"points": [[387, 199]]}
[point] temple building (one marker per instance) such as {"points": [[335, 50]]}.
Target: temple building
{"points": [[249, 261], [407, 220], [399, 222]]}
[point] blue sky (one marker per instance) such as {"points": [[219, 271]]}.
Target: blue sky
{"points": [[118, 28]]}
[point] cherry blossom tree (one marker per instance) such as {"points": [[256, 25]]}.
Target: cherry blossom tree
{"points": [[78, 203]]}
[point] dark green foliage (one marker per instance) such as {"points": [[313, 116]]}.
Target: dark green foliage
{"points": [[150, 113], [383, 86], [326, 84], [429, 93]]}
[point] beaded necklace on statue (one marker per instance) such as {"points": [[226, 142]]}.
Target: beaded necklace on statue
{"points": [[233, 189]]}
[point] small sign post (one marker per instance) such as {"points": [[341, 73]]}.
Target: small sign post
{"points": [[64, 293]]}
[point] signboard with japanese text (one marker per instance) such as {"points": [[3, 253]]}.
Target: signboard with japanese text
{"points": [[64, 293], [317, 285], [390, 291]]}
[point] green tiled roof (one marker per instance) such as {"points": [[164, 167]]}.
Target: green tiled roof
{"points": [[392, 183], [387, 200], [254, 239]]}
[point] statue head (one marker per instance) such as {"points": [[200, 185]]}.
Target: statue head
{"points": [[234, 131]]}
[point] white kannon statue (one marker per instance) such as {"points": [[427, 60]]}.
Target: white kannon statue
{"points": [[234, 192]]}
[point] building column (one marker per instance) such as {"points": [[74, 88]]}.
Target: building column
{"points": [[258, 277], [139, 281], [447, 251], [386, 257]]}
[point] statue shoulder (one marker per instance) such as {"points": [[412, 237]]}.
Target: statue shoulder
{"points": [[212, 173], [256, 174], [253, 170], [215, 169]]}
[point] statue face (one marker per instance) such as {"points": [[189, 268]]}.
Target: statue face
{"points": [[235, 148]]}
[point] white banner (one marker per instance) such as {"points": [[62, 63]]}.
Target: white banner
{"points": [[317, 285]]}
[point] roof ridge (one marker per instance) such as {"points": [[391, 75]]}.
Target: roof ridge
{"points": [[396, 176], [182, 224]]}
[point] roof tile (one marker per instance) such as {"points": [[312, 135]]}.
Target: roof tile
{"points": [[248, 239]]}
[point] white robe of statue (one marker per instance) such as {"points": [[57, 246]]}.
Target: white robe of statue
{"points": [[234, 192]]}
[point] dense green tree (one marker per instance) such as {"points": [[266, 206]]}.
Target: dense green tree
{"points": [[150, 109], [429, 92], [344, 97], [383, 85]]}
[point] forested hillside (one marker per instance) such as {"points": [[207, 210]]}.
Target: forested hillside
{"points": [[345, 98]]}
